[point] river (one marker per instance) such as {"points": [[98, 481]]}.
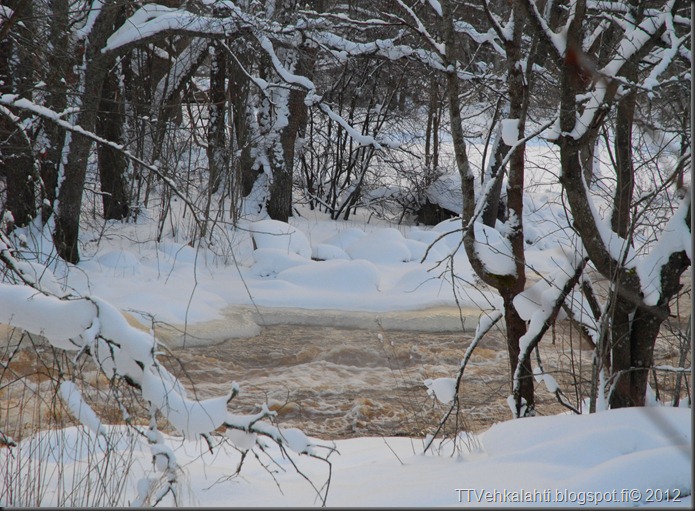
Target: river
{"points": [[363, 377]]}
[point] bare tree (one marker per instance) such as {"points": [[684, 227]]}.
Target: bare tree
{"points": [[638, 303]]}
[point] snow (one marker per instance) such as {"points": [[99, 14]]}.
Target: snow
{"points": [[279, 235], [153, 19], [494, 250], [444, 389], [382, 246], [325, 251], [436, 6], [351, 271], [94, 12], [72, 397], [633, 41], [510, 131], [190, 417], [675, 237], [446, 192], [618, 458], [30, 310]]}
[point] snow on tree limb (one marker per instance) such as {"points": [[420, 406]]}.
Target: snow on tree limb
{"points": [[41, 314], [183, 66], [485, 324], [542, 319], [94, 11], [152, 20], [675, 237], [422, 30], [558, 41], [667, 55], [72, 397], [92, 326], [635, 39], [490, 37]]}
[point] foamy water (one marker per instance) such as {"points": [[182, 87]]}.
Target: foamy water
{"points": [[344, 382], [363, 377]]}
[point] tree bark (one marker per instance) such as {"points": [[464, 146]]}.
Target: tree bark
{"points": [[16, 155], [239, 89], [633, 325], [508, 286], [217, 153], [112, 163], [67, 225], [58, 65], [280, 200]]}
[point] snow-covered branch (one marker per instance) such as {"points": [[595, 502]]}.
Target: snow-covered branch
{"points": [[154, 20], [92, 326], [552, 299], [420, 28], [446, 390]]}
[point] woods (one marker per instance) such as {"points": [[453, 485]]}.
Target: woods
{"points": [[120, 111]]}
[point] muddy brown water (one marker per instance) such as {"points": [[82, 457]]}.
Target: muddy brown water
{"points": [[346, 382], [332, 382]]}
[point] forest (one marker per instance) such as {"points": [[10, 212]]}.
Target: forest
{"points": [[204, 118]]}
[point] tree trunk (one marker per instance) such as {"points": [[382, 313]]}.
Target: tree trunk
{"points": [[112, 162], [625, 172], [507, 285], [217, 127], [239, 92], [280, 200], [491, 212], [16, 154], [515, 329], [633, 324], [67, 225]]}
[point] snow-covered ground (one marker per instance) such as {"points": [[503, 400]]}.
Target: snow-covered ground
{"points": [[620, 458]]}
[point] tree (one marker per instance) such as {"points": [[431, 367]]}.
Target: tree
{"points": [[510, 280], [17, 163], [112, 163], [93, 68], [638, 303]]}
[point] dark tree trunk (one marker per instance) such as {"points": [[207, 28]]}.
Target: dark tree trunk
{"points": [[516, 328], [16, 154], [239, 98], [67, 226], [217, 127], [620, 352], [507, 285], [59, 61], [625, 172], [491, 212], [280, 201], [634, 325], [17, 165], [112, 162]]}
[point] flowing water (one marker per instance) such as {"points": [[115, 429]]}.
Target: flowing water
{"points": [[344, 382], [334, 375]]}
